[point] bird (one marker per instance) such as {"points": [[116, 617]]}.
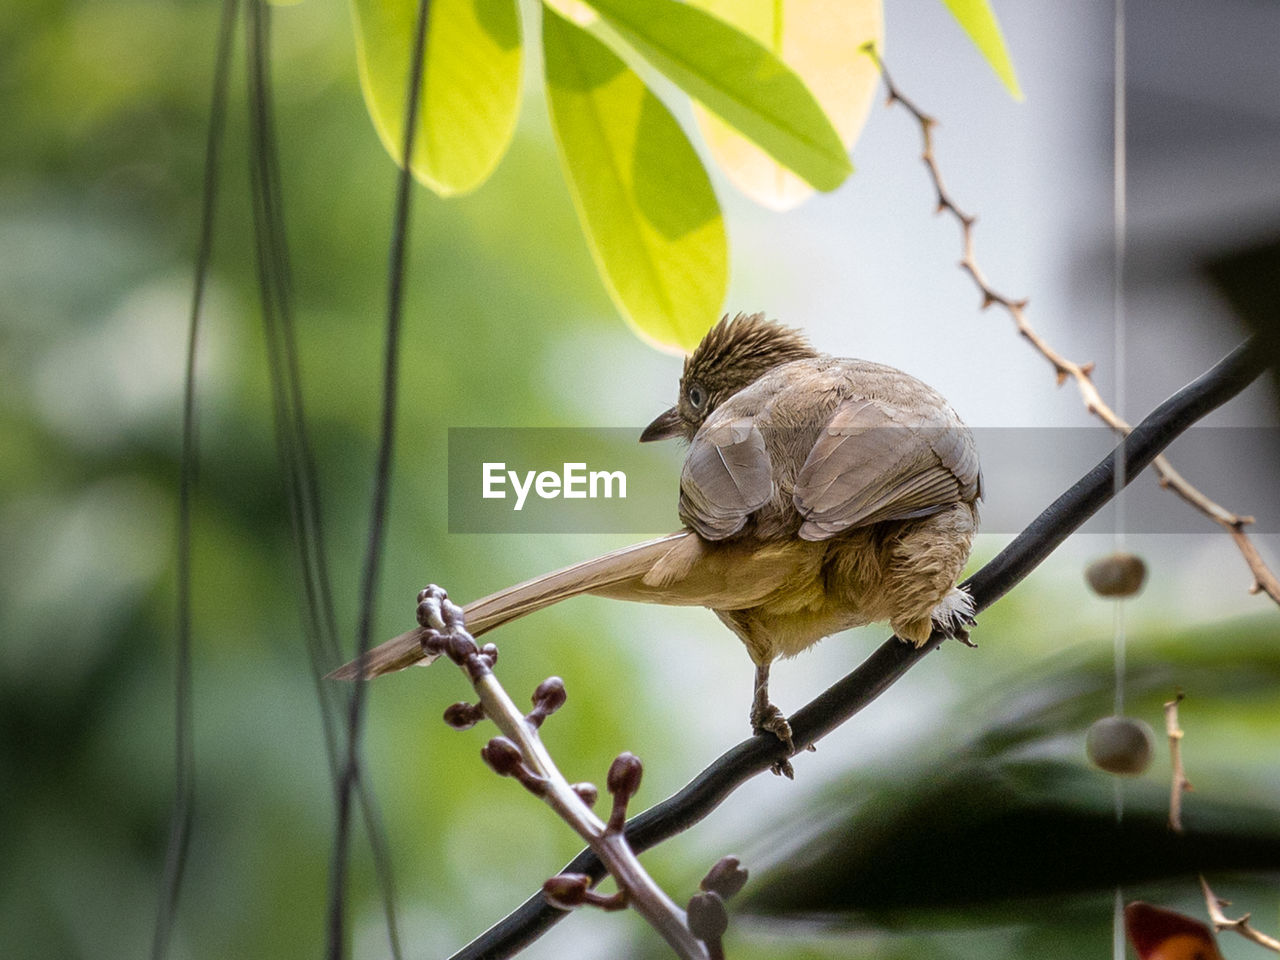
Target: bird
{"points": [[818, 494]]}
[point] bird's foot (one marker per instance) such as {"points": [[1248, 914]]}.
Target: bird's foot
{"points": [[767, 718]]}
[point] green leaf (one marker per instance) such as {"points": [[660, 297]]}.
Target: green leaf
{"points": [[645, 202], [471, 87], [822, 42], [979, 22], [736, 78]]}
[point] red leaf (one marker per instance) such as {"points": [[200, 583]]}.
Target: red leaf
{"points": [[1159, 934]]}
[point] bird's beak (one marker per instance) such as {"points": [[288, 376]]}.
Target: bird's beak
{"points": [[666, 426]]}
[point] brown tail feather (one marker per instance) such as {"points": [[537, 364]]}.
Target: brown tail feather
{"points": [[514, 602]]}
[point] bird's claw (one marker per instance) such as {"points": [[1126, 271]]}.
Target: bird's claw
{"points": [[961, 633], [958, 629], [769, 719]]}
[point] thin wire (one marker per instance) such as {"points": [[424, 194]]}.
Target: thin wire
{"points": [[1120, 228], [1117, 927], [184, 739], [1119, 251], [382, 484]]}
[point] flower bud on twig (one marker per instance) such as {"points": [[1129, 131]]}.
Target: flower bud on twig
{"points": [[502, 756], [461, 648], [570, 890], [507, 761], [547, 699], [623, 782], [428, 612], [586, 792], [708, 919], [463, 715], [726, 878], [567, 891]]}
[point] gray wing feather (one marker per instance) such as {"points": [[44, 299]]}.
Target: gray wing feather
{"points": [[875, 462], [727, 476]]}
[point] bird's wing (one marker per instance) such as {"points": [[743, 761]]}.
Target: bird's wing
{"points": [[877, 461], [726, 477]]}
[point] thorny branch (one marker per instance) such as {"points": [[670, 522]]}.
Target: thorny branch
{"points": [[1213, 903], [521, 754], [1265, 580], [1180, 784], [1241, 926]]}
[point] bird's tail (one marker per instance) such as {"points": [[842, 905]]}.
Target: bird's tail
{"points": [[629, 563]]}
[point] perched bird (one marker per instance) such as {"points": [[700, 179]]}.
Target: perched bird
{"points": [[818, 494]]}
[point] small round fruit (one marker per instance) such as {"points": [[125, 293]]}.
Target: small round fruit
{"points": [[1116, 575], [1120, 745]]}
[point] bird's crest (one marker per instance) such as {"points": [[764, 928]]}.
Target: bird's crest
{"points": [[748, 345]]}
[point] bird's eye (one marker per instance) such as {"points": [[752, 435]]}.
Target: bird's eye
{"points": [[697, 396]]}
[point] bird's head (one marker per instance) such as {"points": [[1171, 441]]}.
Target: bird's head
{"points": [[734, 354]]}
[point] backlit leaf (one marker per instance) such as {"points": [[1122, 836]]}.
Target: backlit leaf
{"points": [[471, 87], [979, 22], [736, 78], [644, 199], [821, 41]]}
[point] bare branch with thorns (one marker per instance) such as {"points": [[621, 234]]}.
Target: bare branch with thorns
{"points": [[1264, 580]]}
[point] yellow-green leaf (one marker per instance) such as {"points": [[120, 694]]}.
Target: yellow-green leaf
{"points": [[644, 199], [471, 86], [820, 40], [736, 78], [979, 22]]}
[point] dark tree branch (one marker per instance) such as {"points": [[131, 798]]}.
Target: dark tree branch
{"points": [[888, 663]]}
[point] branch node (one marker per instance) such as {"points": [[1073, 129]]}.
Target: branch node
{"points": [[1240, 925], [1179, 783]]}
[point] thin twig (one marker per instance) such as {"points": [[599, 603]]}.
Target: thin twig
{"points": [[1264, 580], [445, 630], [893, 658], [1180, 784], [1241, 926]]}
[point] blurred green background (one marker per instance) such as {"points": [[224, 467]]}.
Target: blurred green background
{"points": [[105, 106]]}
